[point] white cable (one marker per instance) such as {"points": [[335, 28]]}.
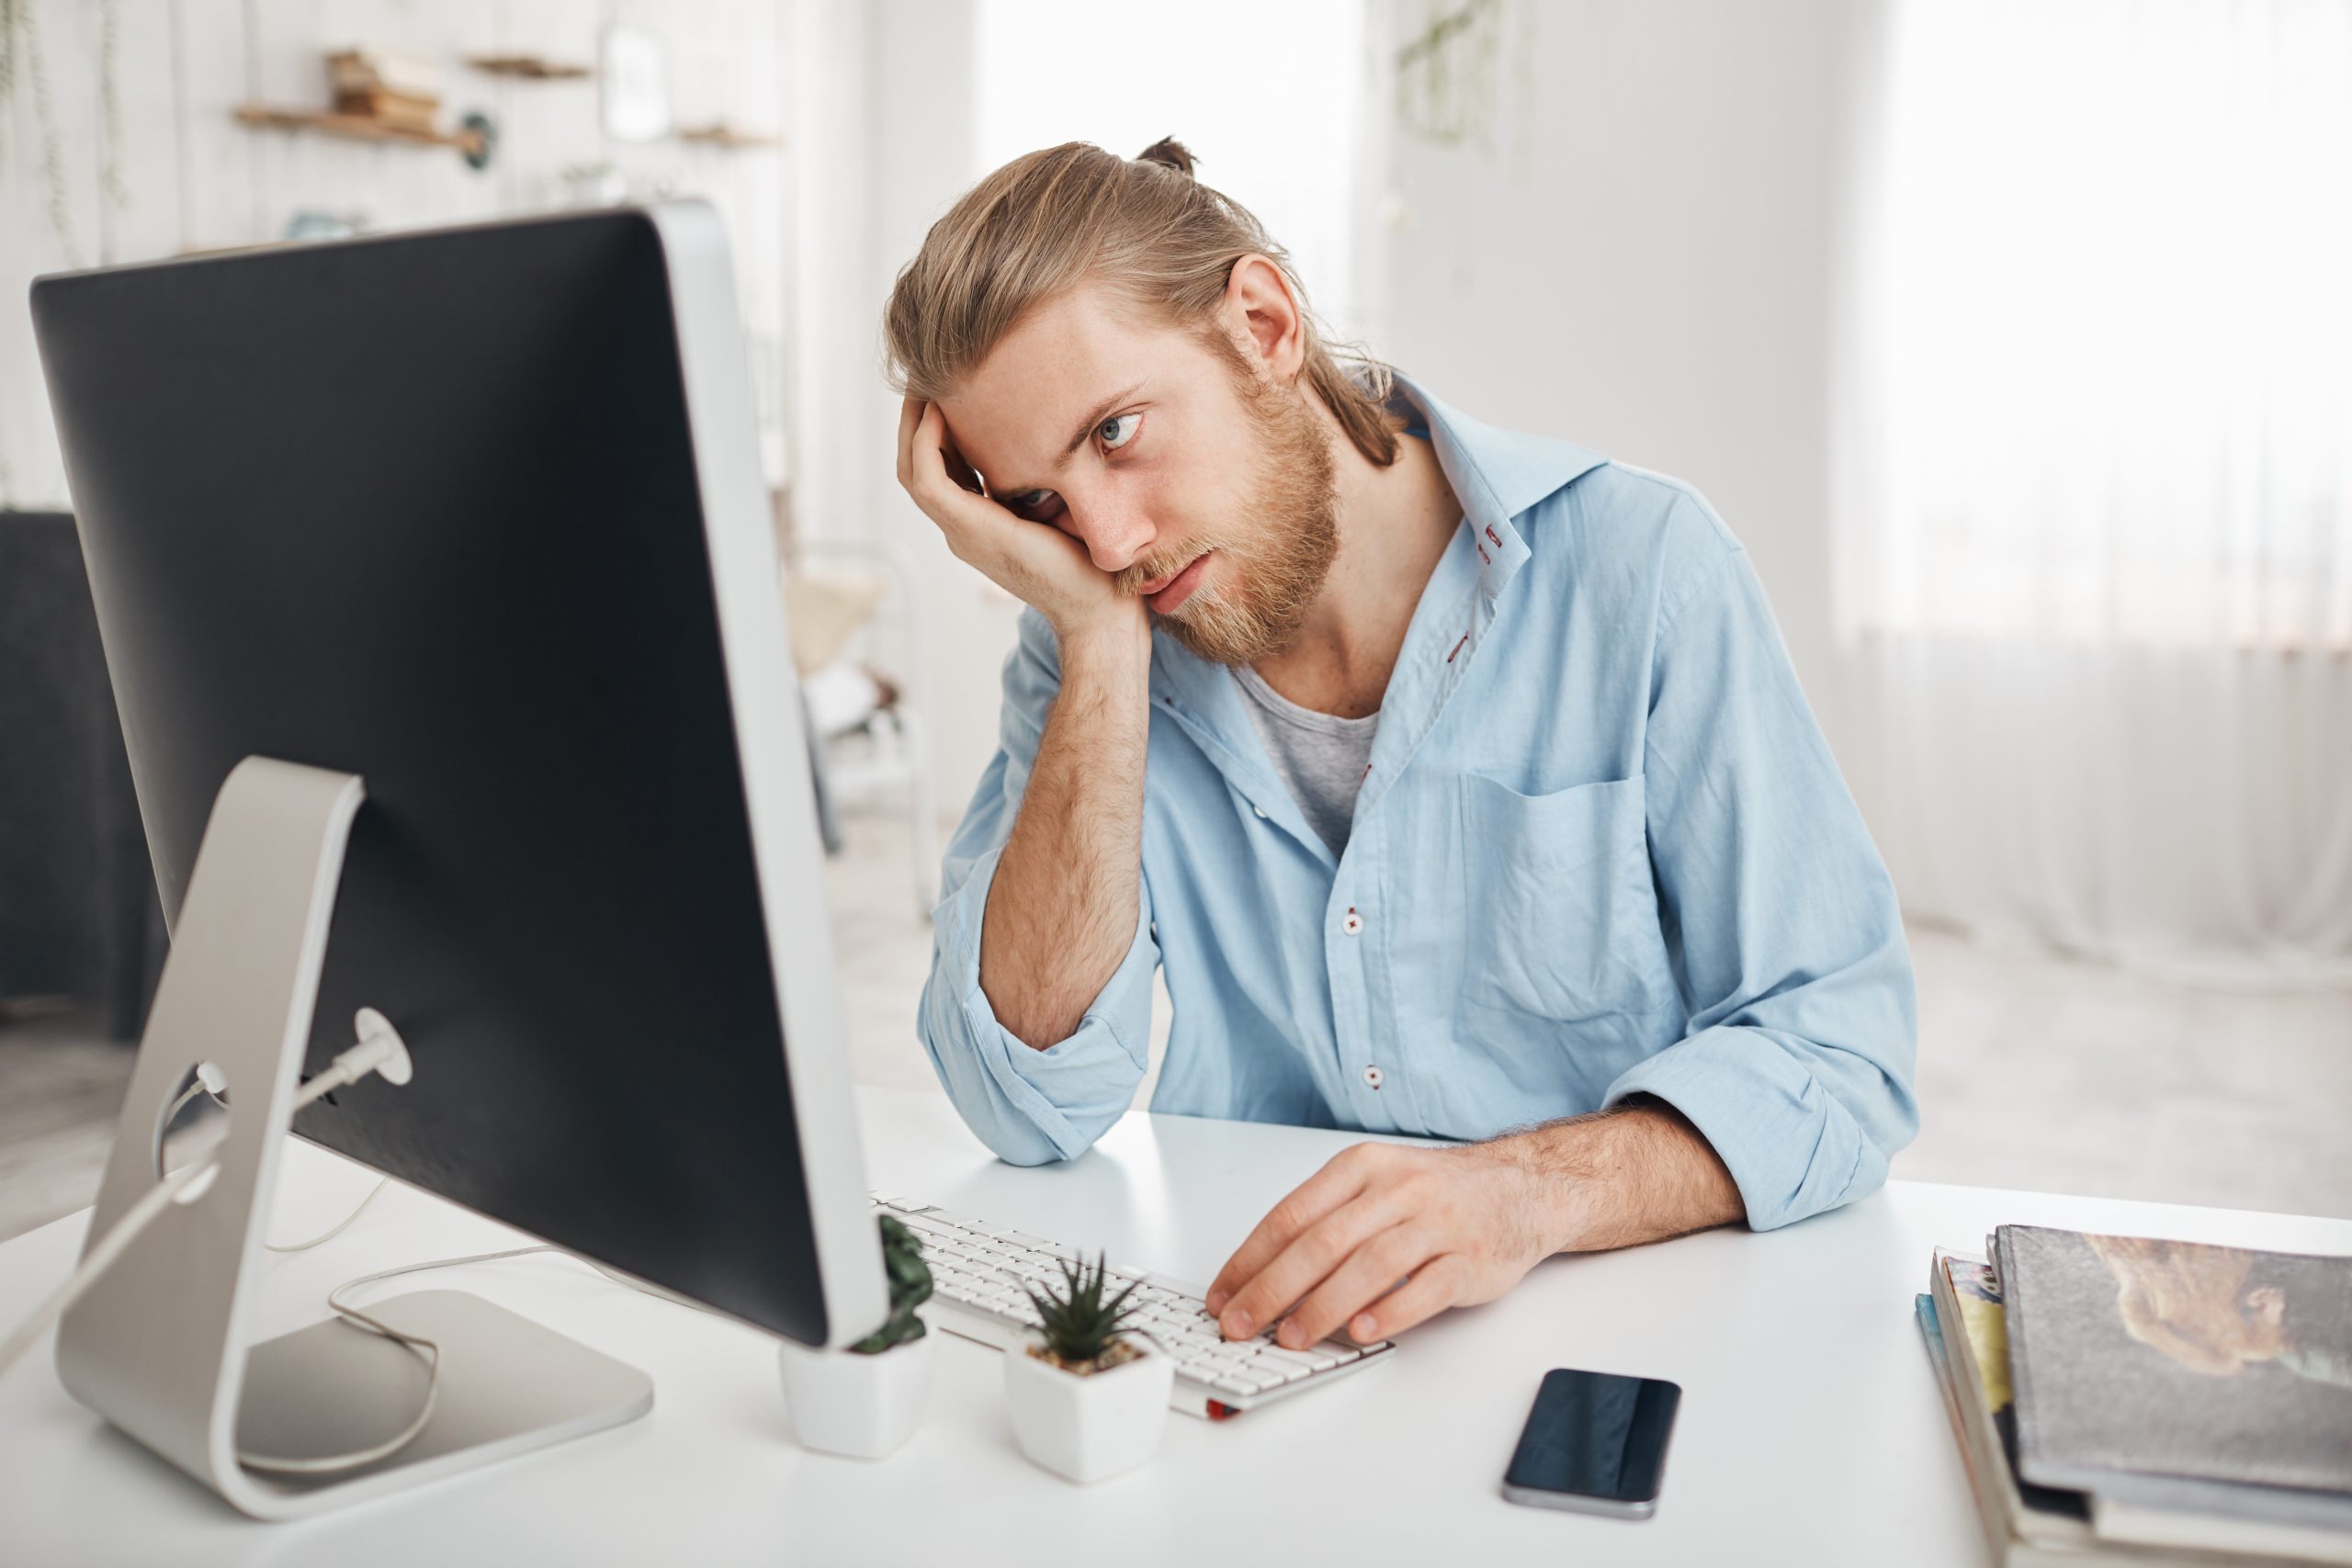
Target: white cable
{"points": [[375, 1053], [380, 1051], [426, 1351], [135, 1219], [209, 1083], [337, 1229]]}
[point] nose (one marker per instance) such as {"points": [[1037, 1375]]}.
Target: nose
{"points": [[1115, 536]]}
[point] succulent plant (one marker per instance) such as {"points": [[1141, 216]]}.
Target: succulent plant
{"points": [[1077, 1323], [909, 1278]]}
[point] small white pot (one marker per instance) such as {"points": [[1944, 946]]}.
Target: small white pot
{"points": [[1088, 1426], [863, 1406]]}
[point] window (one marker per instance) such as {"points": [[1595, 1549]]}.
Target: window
{"points": [[2098, 386]]}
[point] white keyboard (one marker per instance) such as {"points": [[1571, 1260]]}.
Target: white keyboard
{"points": [[977, 1268]]}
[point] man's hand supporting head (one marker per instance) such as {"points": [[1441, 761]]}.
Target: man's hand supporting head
{"points": [[1463, 1225]]}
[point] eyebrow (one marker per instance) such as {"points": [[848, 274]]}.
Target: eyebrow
{"points": [[1097, 417], [1103, 411]]}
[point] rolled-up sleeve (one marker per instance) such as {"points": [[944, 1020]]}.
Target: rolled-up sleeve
{"points": [[1797, 1065], [1029, 1106]]}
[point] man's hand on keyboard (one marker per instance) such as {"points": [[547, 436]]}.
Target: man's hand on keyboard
{"points": [[1462, 1225]]}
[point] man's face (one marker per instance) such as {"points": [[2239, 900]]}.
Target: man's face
{"points": [[1201, 485]]}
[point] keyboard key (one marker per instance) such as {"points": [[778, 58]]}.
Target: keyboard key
{"points": [[925, 1225], [1022, 1239]]}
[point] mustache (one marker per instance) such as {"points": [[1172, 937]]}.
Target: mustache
{"points": [[1166, 563]]}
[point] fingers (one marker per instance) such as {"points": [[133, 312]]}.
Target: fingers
{"points": [[1369, 1272], [927, 456], [1435, 1286], [1342, 1178], [910, 412], [1305, 1263], [958, 467]]}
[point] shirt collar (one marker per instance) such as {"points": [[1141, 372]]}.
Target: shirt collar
{"points": [[1498, 475]]}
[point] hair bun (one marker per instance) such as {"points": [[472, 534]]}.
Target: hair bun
{"points": [[1170, 151]]}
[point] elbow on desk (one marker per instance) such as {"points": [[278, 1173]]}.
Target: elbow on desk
{"points": [[1015, 1138], [1852, 1151], [985, 1106]]}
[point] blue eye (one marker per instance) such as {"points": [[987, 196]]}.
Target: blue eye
{"points": [[1118, 431], [1031, 503]]}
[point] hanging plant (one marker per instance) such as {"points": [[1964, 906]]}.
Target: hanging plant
{"points": [[20, 26], [24, 66]]}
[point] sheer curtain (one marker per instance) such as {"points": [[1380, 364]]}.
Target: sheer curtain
{"points": [[2094, 476]]}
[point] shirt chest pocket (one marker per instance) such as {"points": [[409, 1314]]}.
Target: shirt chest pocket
{"points": [[1561, 912]]}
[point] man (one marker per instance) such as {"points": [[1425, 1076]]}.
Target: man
{"points": [[1457, 780]]}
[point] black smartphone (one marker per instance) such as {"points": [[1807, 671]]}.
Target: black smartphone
{"points": [[1595, 1442]]}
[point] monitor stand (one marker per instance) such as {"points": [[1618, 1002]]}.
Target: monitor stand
{"points": [[157, 1346]]}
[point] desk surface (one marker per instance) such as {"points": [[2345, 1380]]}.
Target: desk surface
{"points": [[1811, 1429]]}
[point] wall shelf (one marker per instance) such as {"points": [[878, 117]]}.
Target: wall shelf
{"points": [[529, 67], [474, 138], [722, 134]]}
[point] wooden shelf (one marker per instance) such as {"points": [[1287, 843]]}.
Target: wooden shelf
{"points": [[360, 128], [529, 67], [722, 134]]}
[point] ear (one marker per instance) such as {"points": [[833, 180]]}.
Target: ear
{"points": [[1264, 318]]}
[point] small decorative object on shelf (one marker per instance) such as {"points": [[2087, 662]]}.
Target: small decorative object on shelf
{"points": [[529, 67], [867, 1400], [1089, 1395], [398, 90]]}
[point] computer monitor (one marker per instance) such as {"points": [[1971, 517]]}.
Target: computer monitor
{"points": [[477, 515]]}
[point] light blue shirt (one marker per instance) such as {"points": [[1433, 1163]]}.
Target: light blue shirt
{"points": [[1602, 850]]}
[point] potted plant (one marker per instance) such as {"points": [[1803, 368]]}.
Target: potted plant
{"points": [[867, 1400], [1088, 1397]]}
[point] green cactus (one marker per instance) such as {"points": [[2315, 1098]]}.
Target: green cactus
{"points": [[1076, 1323], [910, 1287]]}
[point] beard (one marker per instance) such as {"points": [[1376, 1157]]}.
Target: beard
{"points": [[1277, 560]]}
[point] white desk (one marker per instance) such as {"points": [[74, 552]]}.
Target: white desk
{"points": [[1811, 1430]]}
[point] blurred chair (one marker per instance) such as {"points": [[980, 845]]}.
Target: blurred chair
{"points": [[835, 591]]}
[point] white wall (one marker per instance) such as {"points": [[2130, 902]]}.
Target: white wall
{"points": [[1636, 253], [193, 179]]}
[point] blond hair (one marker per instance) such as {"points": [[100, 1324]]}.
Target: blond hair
{"points": [[1052, 220]]}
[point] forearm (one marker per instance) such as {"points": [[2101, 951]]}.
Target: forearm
{"points": [[1637, 1172], [1061, 910]]}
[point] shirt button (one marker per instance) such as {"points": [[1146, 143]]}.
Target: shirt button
{"points": [[1261, 811], [1353, 924], [1372, 1076]]}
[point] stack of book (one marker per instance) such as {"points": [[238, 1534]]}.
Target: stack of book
{"points": [[402, 91], [2123, 1400]]}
